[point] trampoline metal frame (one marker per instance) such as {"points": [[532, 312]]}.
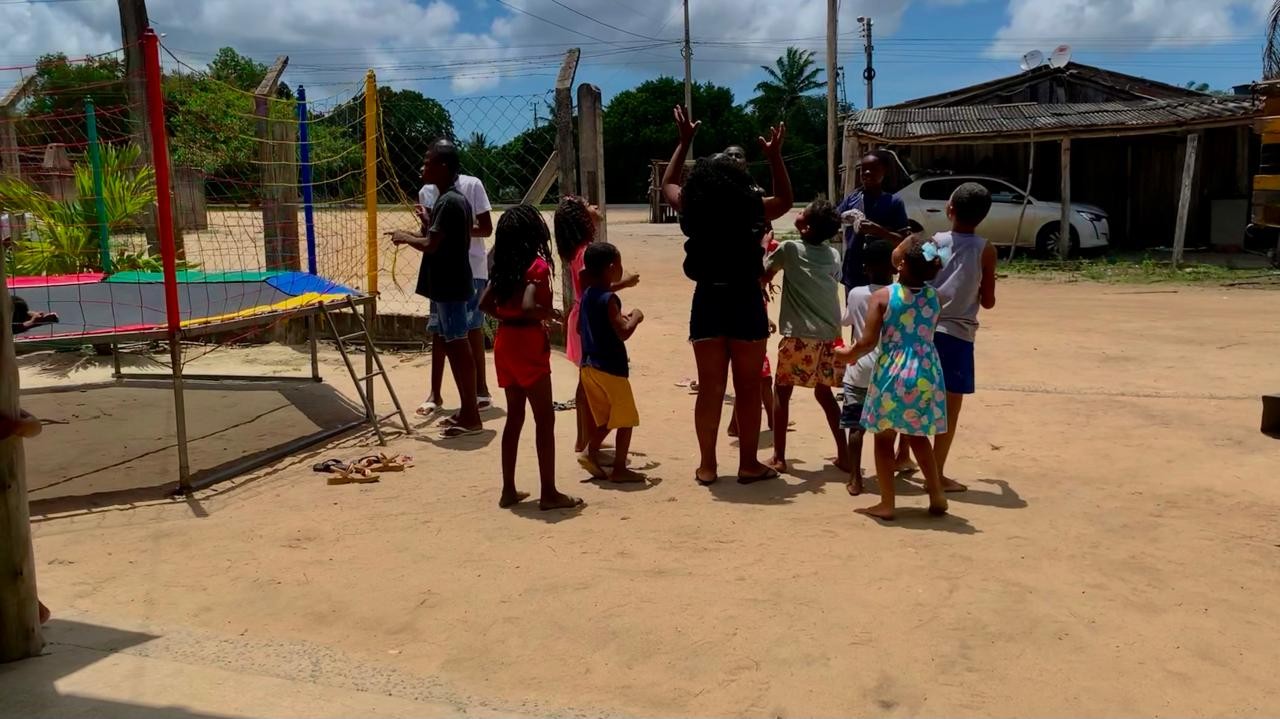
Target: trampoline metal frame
{"points": [[178, 379]]}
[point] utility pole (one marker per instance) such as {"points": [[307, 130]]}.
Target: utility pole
{"points": [[832, 22], [868, 74], [687, 53]]}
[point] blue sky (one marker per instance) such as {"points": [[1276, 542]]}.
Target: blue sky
{"points": [[457, 48]]}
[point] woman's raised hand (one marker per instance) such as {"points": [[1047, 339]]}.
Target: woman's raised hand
{"points": [[772, 146], [686, 128]]}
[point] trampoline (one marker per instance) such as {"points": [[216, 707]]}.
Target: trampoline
{"points": [[130, 306]]}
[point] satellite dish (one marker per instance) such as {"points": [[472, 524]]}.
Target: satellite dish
{"points": [[1032, 60], [1060, 56]]}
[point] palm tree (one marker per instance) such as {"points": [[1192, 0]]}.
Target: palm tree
{"points": [[792, 76], [1271, 54], [478, 142]]}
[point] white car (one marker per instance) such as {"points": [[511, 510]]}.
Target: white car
{"points": [[926, 201]]}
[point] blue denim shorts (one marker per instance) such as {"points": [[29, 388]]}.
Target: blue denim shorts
{"points": [[956, 356], [475, 318], [851, 413], [452, 320]]}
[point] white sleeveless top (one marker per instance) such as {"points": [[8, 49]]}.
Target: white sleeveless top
{"points": [[959, 284]]}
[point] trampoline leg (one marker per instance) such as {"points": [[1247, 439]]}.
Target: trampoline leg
{"points": [[180, 418], [116, 373], [369, 312], [313, 341]]}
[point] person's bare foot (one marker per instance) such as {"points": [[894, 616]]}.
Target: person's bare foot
{"points": [[559, 501], [777, 465], [854, 486], [626, 476], [939, 507], [950, 485], [511, 499], [589, 464], [879, 511], [705, 477], [44, 612], [907, 465], [842, 464]]}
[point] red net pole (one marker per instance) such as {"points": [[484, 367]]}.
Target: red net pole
{"points": [[160, 160]]}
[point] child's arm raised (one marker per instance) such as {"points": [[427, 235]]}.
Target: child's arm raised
{"points": [[871, 331], [774, 263], [671, 190], [987, 289], [780, 203], [624, 325]]}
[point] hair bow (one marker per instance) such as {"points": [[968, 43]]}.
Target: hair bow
{"points": [[933, 252]]}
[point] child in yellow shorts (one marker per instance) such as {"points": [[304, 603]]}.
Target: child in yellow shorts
{"points": [[605, 367]]}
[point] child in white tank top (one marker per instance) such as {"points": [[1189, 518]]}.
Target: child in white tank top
{"points": [[966, 283]]}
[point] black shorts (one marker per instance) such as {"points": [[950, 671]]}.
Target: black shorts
{"points": [[731, 311]]}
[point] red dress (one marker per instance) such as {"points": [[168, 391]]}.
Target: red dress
{"points": [[572, 337], [522, 349]]}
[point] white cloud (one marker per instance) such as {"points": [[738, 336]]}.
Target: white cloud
{"points": [[331, 41], [1122, 24]]}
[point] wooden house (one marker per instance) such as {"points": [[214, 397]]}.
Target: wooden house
{"points": [[1125, 141]]}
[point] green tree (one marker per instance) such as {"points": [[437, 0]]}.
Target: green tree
{"points": [[242, 72], [55, 109], [638, 129], [1206, 89], [410, 121], [792, 76]]}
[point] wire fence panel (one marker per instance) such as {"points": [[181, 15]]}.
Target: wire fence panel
{"points": [[502, 140]]}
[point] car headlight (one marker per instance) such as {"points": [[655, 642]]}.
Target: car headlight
{"points": [[1092, 216]]}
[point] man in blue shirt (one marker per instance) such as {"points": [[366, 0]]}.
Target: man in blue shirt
{"points": [[886, 219]]}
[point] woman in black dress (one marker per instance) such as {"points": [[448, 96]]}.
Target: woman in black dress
{"points": [[724, 216]]}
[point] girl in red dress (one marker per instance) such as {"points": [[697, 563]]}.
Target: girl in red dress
{"points": [[519, 297]]}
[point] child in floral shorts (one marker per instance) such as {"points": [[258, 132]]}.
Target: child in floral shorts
{"points": [[809, 321]]}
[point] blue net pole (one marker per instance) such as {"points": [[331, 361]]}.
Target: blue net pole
{"points": [[308, 206]]}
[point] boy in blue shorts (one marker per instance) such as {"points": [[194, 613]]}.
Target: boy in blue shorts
{"points": [[966, 283], [877, 267]]}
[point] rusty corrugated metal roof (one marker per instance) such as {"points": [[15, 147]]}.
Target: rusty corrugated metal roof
{"points": [[1014, 122]]}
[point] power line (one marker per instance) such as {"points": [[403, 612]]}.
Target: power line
{"points": [[604, 24]]}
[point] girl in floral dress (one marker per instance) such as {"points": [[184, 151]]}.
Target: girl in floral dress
{"points": [[907, 394]]}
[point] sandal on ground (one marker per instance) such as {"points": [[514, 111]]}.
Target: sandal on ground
{"points": [[455, 431], [484, 402], [352, 474], [427, 409], [327, 466], [382, 463], [769, 473], [704, 482]]}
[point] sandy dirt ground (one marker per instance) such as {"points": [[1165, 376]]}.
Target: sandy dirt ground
{"points": [[1116, 555]]}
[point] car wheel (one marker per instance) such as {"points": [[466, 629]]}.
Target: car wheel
{"points": [[1047, 242]]}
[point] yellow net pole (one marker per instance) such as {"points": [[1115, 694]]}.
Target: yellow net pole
{"points": [[371, 180]]}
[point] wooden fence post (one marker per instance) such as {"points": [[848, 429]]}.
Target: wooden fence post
{"points": [[279, 177], [1064, 222], [19, 614], [1184, 197], [564, 148], [591, 152]]}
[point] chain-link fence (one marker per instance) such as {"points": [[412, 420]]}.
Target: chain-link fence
{"points": [[502, 140]]}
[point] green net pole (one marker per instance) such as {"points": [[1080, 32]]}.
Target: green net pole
{"points": [[99, 202]]}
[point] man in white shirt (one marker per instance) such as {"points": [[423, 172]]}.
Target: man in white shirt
{"points": [[473, 189]]}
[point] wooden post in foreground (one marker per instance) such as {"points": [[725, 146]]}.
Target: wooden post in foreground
{"points": [[276, 155], [19, 609], [564, 148], [1184, 197], [591, 152]]}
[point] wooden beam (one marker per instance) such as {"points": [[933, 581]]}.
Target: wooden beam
{"points": [[276, 148], [591, 152], [19, 608], [1064, 222], [1000, 138], [564, 123], [542, 183], [17, 92], [564, 148], [1184, 197]]}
